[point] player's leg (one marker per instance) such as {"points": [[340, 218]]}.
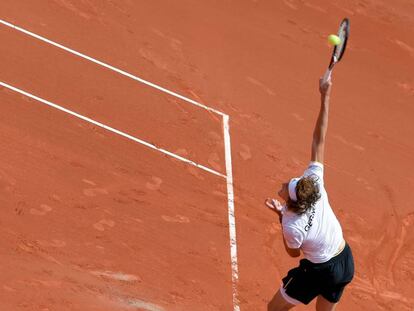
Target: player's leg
{"points": [[324, 305], [298, 287], [278, 303], [342, 273]]}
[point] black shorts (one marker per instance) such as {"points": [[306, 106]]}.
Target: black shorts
{"points": [[328, 279]]}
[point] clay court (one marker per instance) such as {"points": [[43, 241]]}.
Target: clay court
{"points": [[140, 139]]}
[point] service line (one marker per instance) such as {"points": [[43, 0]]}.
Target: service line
{"points": [[111, 129]]}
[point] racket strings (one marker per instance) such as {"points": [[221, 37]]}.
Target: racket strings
{"points": [[342, 34]]}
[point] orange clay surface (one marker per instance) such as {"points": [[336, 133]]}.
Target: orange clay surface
{"points": [[92, 221]]}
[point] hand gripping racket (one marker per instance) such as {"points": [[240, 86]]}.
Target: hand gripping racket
{"points": [[339, 50]]}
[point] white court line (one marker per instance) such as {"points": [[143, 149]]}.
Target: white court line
{"points": [[232, 219], [108, 128], [229, 177], [120, 71]]}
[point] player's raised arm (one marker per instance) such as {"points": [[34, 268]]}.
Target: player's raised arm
{"points": [[319, 133]]}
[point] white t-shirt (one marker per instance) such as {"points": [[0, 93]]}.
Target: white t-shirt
{"points": [[317, 232]]}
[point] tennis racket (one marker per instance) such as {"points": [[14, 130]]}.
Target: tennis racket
{"points": [[339, 50]]}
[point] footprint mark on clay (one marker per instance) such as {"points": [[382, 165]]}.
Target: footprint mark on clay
{"points": [[102, 223], [89, 182], [408, 220], [213, 161], [261, 85], [53, 243], [297, 117], [292, 4], [41, 211], [406, 87], [81, 8], [158, 32], [153, 58], [375, 135], [195, 172], [93, 192], [176, 218], [245, 152], [176, 45], [120, 276], [181, 152], [76, 164], [287, 36], [154, 184], [273, 228], [219, 193], [315, 7], [55, 197], [214, 135], [176, 296], [365, 182], [406, 223], [8, 288], [348, 143], [292, 22], [20, 208], [405, 46]]}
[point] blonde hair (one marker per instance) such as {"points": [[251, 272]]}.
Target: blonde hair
{"points": [[307, 193]]}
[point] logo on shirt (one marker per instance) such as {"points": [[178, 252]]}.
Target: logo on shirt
{"points": [[310, 220]]}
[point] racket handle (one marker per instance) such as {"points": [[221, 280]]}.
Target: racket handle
{"points": [[327, 76]]}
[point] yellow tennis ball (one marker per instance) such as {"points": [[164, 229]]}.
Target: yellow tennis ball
{"points": [[334, 40]]}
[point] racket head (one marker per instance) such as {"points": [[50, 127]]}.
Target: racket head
{"points": [[339, 50]]}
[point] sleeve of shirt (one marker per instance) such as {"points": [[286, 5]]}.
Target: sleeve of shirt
{"points": [[293, 236], [315, 168]]}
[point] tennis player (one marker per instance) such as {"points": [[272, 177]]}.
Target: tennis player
{"points": [[309, 225]]}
